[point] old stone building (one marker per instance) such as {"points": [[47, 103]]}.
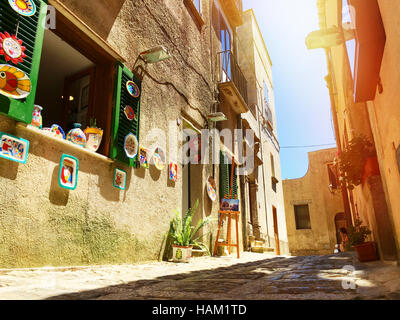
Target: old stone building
{"points": [[361, 46], [80, 58], [314, 207], [262, 187]]}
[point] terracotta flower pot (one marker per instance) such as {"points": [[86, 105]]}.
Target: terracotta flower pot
{"points": [[371, 168], [366, 251], [181, 254]]}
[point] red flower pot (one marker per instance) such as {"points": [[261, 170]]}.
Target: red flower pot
{"points": [[366, 252]]}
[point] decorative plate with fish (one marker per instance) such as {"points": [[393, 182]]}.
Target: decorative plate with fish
{"points": [[25, 8], [14, 83], [133, 89]]}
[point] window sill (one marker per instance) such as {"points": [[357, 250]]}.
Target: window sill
{"points": [[194, 13], [30, 131]]}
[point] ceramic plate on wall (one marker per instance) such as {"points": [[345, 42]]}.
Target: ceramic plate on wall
{"points": [[11, 48], [25, 8], [212, 189], [133, 89], [131, 146], [13, 148], [129, 113], [159, 158], [173, 172], [14, 83], [68, 174]]}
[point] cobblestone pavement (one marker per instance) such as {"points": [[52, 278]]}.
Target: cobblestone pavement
{"points": [[254, 276]]}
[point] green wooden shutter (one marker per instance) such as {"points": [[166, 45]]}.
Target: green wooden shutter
{"points": [[235, 184], [31, 32], [223, 176], [121, 125]]}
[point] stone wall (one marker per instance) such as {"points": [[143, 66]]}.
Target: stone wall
{"points": [[42, 224]]}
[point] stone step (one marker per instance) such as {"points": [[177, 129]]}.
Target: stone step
{"points": [[261, 249]]}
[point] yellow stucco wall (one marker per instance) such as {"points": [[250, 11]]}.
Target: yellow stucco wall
{"points": [[313, 189]]}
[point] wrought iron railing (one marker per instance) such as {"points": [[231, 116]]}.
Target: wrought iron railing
{"points": [[229, 71]]}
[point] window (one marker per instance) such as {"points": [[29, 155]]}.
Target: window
{"points": [[333, 177], [194, 8], [67, 71], [302, 216], [266, 96], [274, 180]]}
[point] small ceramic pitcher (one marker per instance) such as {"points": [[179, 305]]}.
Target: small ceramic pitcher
{"points": [[37, 120]]}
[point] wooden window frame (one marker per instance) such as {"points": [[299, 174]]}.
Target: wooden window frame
{"points": [[295, 216], [196, 15], [102, 92]]}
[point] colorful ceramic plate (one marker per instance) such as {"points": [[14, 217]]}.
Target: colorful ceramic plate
{"points": [[131, 146], [11, 48], [133, 89], [211, 188], [14, 83], [25, 8], [173, 172], [144, 162], [129, 113], [58, 131], [159, 158]]}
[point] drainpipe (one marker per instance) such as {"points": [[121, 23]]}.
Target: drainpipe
{"points": [[331, 82]]}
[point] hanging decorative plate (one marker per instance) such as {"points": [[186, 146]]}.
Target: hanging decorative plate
{"points": [[211, 188], [133, 89], [159, 158], [68, 174], [129, 113], [173, 172], [131, 146], [144, 162], [14, 83], [13, 148], [11, 48], [25, 8], [119, 179]]}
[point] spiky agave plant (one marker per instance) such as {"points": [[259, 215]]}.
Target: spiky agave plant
{"points": [[183, 233]]}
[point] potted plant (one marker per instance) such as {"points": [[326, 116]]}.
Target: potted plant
{"points": [[355, 160], [94, 136], [358, 233], [183, 235]]}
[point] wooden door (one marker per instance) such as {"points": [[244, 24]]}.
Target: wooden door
{"points": [[276, 231]]}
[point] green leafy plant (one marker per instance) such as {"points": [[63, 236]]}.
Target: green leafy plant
{"points": [[93, 122], [358, 233], [352, 161], [183, 233]]}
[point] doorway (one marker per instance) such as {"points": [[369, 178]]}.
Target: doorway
{"points": [[340, 222], [276, 231]]}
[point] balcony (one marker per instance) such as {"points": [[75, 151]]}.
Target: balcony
{"points": [[233, 10], [232, 83]]}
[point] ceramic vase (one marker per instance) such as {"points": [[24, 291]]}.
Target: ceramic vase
{"points": [[37, 120], [77, 136], [93, 138]]}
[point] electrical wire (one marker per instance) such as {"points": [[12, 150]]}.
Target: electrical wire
{"points": [[312, 146]]}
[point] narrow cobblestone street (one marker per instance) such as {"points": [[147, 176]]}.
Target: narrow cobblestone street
{"points": [[254, 276]]}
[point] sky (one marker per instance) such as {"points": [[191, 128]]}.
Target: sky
{"points": [[301, 97]]}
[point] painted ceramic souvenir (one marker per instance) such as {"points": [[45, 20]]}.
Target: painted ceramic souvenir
{"points": [[133, 89], [77, 136], [37, 117], [173, 172], [144, 162], [129, 113], [131, 146], [159, 158], [211, 188], [119, 179], [93, 138], [25, 8], [195, 149], [11, 48], [13, 148], [58, 131], [14, 83], [68, 174]]}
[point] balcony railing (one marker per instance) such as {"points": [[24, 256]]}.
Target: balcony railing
{"points": [[229, 71]]}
